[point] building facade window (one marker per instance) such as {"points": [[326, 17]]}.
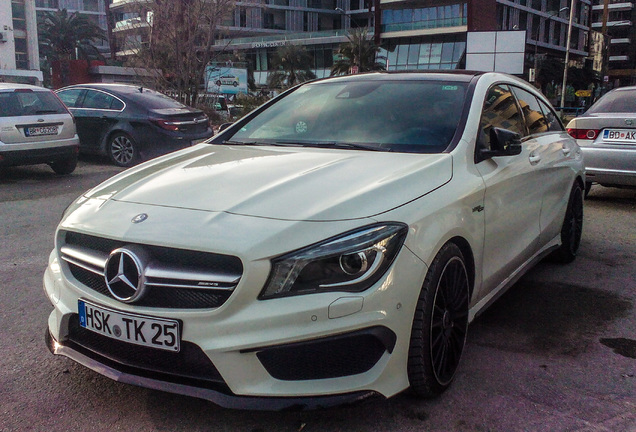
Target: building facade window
{"points": [[424, 53], [21, 54], [424, 18], [18, 14]]}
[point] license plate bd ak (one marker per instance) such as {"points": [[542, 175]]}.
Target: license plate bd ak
{"points": [[131, 328], [619, 135]]}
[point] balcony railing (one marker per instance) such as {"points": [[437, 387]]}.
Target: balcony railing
{"points": [[284, 37]]}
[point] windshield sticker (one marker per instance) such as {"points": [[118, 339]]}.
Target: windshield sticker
{"points": [[450, 88]]}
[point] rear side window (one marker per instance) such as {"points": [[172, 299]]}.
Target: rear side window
{"points": [[99, 100], [554, 125], [620, 101], [532, 113], [26, 103], [500, 111], [72, 98]]}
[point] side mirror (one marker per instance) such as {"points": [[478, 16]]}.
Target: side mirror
{"points": [[503, 142], [224, 126]]}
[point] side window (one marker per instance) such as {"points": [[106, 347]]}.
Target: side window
{"points": [[554, 125], [97, 100], [117, 104], [72, 97], [532, 113], [501, 111]]}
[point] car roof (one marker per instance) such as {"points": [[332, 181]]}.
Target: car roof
{"points": [[627, 88], [13, 86], [437, 75], [112, 87]]}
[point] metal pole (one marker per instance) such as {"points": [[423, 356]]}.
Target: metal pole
{"points": [[567, 57]]}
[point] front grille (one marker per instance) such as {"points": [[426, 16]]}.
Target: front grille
{"points": [[331, 357], [174, 278], [190, 363], [160, 297]]}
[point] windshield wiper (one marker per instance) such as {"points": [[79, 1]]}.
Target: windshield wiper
{"points": [[246, 143], [260, 143], [335, 144]]}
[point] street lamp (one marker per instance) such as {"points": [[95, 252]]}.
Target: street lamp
{"points": [[567, 57], [536, 37]]}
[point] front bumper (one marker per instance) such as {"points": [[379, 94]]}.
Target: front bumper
{"points": [[220, 396], [250, 353]]}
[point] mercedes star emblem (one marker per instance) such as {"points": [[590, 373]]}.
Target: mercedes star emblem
{"points": [[124, 275], [139, 218]]}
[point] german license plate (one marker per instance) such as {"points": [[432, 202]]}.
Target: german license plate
{"points": [[40, 130], [619, 135], [136, 329]]}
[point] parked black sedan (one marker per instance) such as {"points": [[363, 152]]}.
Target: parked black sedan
{"points": [[132, 123]]}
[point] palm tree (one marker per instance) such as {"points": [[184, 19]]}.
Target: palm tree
{"points": [[292, 65], [360, 52], [61, 34]]}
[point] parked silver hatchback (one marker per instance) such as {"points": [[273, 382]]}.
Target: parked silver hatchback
{"points": [[36, 128]]}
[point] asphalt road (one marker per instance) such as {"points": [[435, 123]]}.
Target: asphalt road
{"points": [[555, 353]]}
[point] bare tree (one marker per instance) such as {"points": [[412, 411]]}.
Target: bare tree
{"points": [[176, 37]]}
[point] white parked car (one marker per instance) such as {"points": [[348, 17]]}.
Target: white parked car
{"points": [[36, 128], [330, 246]]}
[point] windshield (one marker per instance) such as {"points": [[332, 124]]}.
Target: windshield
{"points": [[403, 116], [621, 101]]}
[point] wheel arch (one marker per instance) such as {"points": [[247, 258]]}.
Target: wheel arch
{"points": [[469, 259], [117, 128]]}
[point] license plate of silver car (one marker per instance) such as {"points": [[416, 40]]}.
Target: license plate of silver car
{"points": [[40, 130], [628, 135], [136, 329]]}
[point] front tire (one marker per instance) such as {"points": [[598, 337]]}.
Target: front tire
{"points": [[122, 150], [572, 228], [440, 324]]}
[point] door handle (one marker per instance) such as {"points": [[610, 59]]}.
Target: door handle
{"points": [[534, 158]]}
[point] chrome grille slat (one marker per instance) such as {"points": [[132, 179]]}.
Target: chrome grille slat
{"points": [[175, 278]]}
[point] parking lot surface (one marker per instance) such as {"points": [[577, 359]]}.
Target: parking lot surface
{"points": [[556, 353]]}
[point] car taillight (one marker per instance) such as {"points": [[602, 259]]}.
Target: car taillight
{"points": [[588, 134], [165, 124]]}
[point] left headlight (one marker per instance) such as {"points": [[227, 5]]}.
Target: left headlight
{"points": [[350, 262]]}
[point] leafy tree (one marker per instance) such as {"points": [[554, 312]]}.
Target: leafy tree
{"points": [[61, 33], [291, 65], [178, 41], [358, 51]]}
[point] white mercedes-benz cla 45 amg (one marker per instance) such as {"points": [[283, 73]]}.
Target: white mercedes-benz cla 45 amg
{"points": [[332, 245]]}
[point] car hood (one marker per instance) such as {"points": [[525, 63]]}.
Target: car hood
{"points": [[301, 184]]}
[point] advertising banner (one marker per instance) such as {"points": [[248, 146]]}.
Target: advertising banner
{"points": [[225, 79]]}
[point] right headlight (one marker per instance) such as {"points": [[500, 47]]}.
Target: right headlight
{"points": [[351, 262]]}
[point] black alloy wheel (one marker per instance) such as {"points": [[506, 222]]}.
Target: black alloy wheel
{"points": [[440, 324], [572, 228], [122, 150]]}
